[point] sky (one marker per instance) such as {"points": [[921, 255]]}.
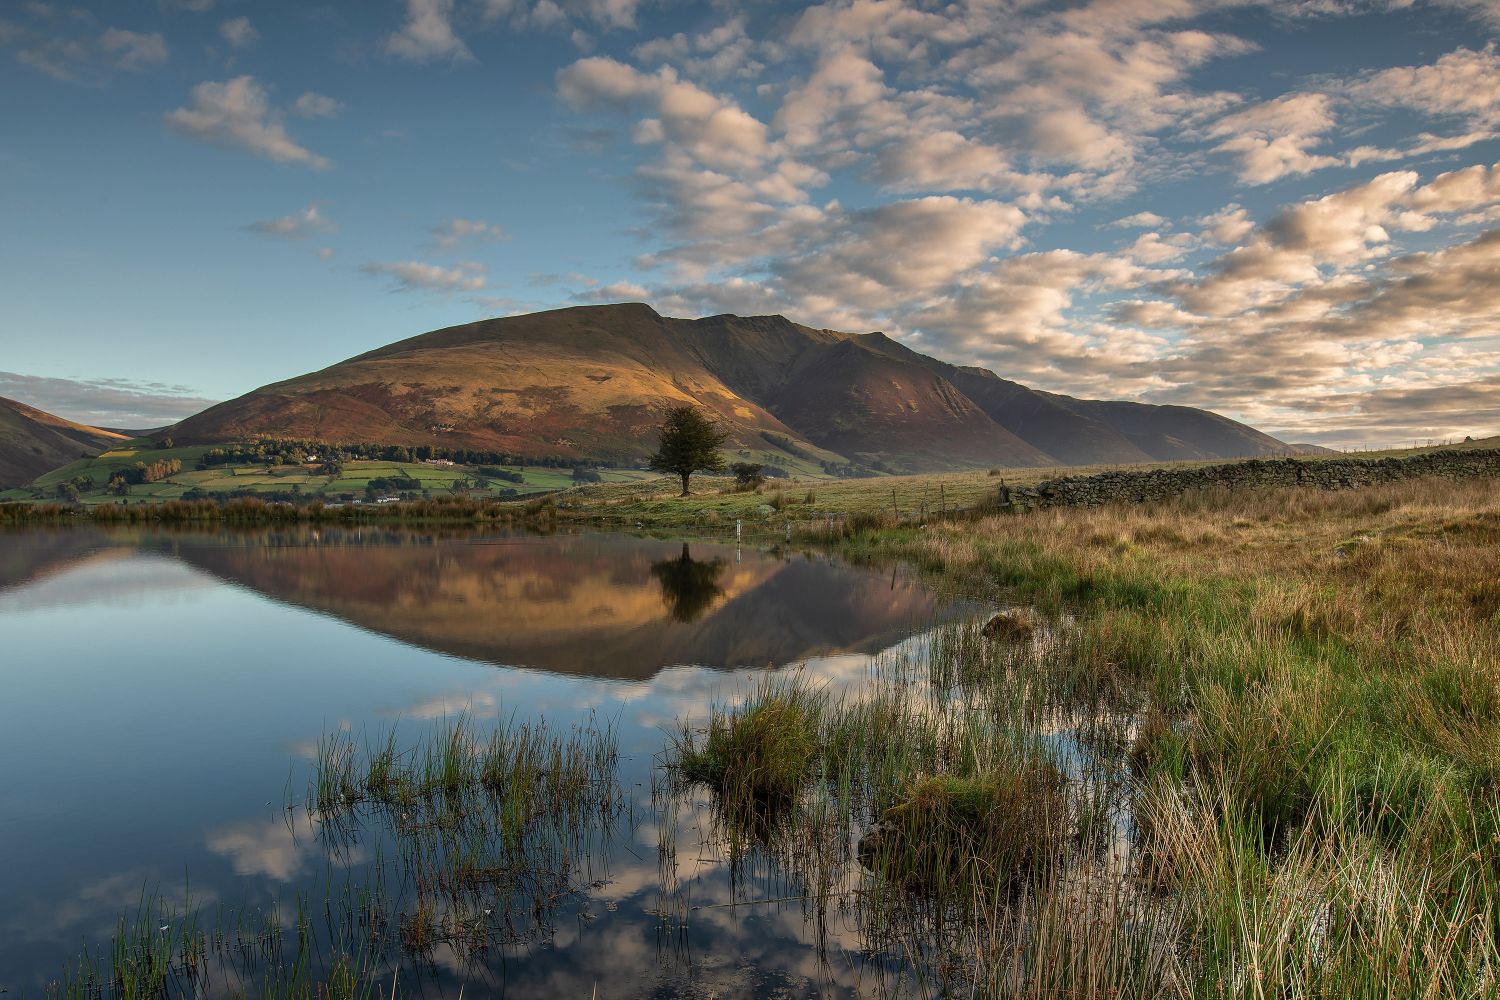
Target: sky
{"points": [[1288, 212]]}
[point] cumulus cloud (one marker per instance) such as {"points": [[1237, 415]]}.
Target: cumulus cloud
{"points": [[311, 105], [1227, 226], [1140, 220], [413, 276], [296, 226], [563, 15], [1275, 139], [239, 33], [1464, 82], [953, 133], [721, 52], [133, 49], [428, 34], [237, 113], [87, 59], [105, 402], [620, 291], [714, 131], [450, 233]]}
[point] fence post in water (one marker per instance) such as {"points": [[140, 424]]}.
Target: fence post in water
{"points": [[739, 529], [789, 531]]}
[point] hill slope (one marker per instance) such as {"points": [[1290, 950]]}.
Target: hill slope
{"points": [[33, 442], [590, 383]]}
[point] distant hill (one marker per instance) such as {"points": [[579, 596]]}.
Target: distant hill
{"points": [[590, 383], [33, 442]]}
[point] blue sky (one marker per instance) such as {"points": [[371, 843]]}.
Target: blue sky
{"points": [[1288, 212]]}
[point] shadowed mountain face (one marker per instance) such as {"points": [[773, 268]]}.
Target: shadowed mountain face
{"points": [[591, 383], [34, 442]]}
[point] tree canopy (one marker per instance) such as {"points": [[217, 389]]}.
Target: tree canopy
{"points": [[689, 443]]}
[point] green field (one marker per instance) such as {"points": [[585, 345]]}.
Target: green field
{"points": [[307, 480]]}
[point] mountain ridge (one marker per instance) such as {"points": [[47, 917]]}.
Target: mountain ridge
{"points": [[589, 383], [34, 442]]}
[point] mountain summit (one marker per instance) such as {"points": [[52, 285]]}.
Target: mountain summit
{"points": [[591, 382]]}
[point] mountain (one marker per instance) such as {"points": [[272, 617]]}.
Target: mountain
{"points": [[33, 442], [590, 383]]}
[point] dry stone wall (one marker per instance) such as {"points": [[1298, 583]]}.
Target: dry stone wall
{"points": [[1145, 486]]}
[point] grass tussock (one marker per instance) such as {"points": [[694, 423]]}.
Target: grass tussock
{"points": [[766, 752], [989, 829]]}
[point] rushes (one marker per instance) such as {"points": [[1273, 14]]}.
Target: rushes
{"points": [[524, 770], [763, 752], [985, 830]]}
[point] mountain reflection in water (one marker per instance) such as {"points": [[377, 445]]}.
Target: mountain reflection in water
{"points": [[597, 604]]}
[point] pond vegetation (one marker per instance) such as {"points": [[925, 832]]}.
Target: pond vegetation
{"points": [[1230, 746]]}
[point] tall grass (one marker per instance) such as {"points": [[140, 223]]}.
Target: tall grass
{"points": [[1272, 723]]}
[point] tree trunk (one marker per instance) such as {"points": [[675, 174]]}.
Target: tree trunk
{"points": [[685, 482]]}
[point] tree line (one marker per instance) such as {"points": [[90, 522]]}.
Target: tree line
{"points": [[277, 451]]}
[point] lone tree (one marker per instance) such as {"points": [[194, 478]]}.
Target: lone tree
{"points": [[689, 443], [748, 475]]}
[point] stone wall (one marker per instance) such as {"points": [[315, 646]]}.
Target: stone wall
{"points": [[1144, 486]]}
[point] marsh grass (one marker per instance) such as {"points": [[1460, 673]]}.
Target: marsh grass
{"points": [[494, 829], [1274, 721], [166, 949], [472, 839]]}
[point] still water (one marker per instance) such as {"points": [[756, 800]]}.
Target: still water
{"points": [[163, 694]]}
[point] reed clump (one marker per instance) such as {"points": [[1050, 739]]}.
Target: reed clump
{"points": [[991, 828], [764, 752]]}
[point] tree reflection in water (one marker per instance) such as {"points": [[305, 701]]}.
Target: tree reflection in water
{"points": [[688, 586]]}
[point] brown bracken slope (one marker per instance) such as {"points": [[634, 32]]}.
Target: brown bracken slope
{"points": [[33, 442], [591, 382]]}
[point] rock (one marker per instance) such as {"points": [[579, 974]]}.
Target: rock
{"points": [[765, 510]]}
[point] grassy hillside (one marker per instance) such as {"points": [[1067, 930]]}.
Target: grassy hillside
{"points": [[33, 441]]}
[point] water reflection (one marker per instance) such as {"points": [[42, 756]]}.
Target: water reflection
{"points": [[604, 605], [688, 586], [182, 720]]}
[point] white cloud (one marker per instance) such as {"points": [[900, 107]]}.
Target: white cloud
{"points": [[1275, 139], [105, 402], [84, 59], [1156, 248], [1463, 82], [239, 32], [1140, 220], [1227, 226], [311, 105], [620, 291], [134, 50], [428, 34], [297, 226], [411, 276], [714, 131], [452, 232], [238, 113]]}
